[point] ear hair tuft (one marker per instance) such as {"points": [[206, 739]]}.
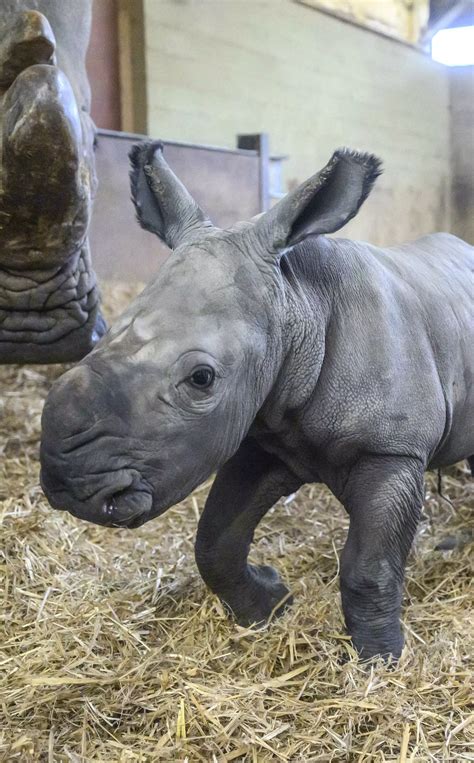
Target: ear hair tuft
{"points": [[369, 162], [140, 156]]}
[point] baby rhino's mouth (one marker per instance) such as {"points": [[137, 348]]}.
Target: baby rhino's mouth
{"points": [[127, 508], [127, 503]]}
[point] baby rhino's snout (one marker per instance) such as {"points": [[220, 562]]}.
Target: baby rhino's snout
{"points": [[84, 467]]}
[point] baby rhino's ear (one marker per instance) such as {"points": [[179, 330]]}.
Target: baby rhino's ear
{"points": [[162, 203], [322, 204]]}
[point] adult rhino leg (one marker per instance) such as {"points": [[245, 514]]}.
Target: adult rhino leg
{"points": [[245, 488], [49, 302], [383, 496]]}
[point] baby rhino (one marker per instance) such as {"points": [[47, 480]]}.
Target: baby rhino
{"points": [[275, 356]]}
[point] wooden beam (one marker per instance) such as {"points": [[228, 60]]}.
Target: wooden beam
{"points": [[131, 32]]}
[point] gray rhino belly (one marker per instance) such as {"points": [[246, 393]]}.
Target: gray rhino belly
{"points": [[458, 442]]}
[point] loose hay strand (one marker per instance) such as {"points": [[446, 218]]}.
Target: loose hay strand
{"points": [[111, 648]]}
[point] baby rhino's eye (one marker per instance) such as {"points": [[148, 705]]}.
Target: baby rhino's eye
{"points": [[202, 377]]}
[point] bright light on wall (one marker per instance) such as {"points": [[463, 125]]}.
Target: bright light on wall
{"points": [[454, 47]]}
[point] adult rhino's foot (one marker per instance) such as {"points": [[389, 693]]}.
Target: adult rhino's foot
{"points": [[26, 39], [50, 316], [260, 596], [49, 301], [47, 180]]}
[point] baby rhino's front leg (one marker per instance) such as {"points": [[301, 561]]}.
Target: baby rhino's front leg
{"points": [[245, 488]]}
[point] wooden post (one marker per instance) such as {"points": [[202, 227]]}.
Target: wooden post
{"points": [[131, 28]]}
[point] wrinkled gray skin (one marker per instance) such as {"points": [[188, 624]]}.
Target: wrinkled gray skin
{"points": [[334, 361], [49, 302]]}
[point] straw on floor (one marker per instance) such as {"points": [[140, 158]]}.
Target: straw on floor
{"points": [[111, 648]]}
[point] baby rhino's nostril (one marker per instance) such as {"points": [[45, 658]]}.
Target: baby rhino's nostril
{"points": [[108, 508], [126, 508]]}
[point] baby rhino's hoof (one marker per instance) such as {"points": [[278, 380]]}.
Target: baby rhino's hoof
{"points": [[261, 597]]}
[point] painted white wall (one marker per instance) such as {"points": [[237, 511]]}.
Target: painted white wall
{"points": [[216, 68]]}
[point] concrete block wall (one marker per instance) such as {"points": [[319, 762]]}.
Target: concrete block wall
{"points": [[313, 82]]}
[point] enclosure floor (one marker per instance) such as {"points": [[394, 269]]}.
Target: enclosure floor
{"points": [[111, 649]]}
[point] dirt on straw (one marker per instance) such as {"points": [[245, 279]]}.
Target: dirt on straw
{"points": [[111, 648]]}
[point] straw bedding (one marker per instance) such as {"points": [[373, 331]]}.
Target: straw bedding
{"points": [[111, 649]]}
